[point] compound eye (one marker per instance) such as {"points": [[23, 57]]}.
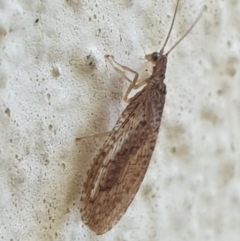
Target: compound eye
{"points": [[155, 56]]}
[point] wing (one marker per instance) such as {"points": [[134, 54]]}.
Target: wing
{"points": [[120, 166]]}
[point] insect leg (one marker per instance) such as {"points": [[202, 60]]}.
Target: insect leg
{"points": [[111, 60], [95, 135], [135, 84]]}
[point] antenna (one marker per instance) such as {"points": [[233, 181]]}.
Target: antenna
{"points": [[187, 32], [170, 30]]}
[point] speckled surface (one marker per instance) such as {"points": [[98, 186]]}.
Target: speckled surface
{"points": [[55, 86]]}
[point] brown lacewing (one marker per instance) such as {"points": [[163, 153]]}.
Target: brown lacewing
{"points": [[120, 165]]}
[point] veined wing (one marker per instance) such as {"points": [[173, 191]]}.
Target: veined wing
{"points": [[121, 164]]}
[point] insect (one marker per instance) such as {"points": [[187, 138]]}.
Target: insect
{"points": [[120, 165]]}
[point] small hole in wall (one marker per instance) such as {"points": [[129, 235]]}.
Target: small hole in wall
{"points": [[91, 61], [46, 162], [7, 112], [173, 149], [55, 71], [63, 166], [3, 31], [50, 127], [48, 96]]}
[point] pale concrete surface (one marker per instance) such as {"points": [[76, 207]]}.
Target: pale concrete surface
{"points": [[56, 86]]}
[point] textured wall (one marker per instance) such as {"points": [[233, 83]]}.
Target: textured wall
{"points": [[55, 86]]}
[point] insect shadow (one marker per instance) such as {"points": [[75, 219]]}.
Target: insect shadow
{"points": [[101, 114]]}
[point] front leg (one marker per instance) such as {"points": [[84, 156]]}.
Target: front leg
{"points": [[134, 84]]}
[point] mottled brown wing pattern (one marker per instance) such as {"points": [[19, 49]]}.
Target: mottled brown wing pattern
{"points": [[121, 163]]}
